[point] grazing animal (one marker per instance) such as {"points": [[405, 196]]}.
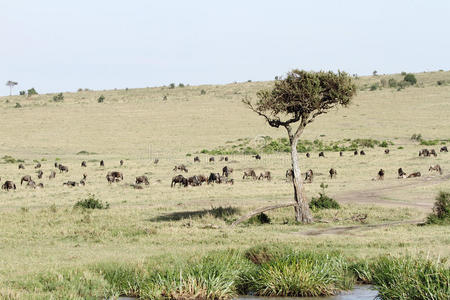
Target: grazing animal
{"points": [[341, 153], [56, 165], [333, 173], [83, 182], [31, 184], [26, 178], [362, 152], [40, 174], [356, 152], [221, 158], [110, 178], [84, 176], [386, 151], [8, 185], [102, 163], [181, 168], [71, 183], [142, 179], [321, 154], [424, 152], [257, 156], [433, 152], [401, 173], [121, 162], [265, 175], [226, 171], [226, 158], [115, 175], [289, 174], [309, 176], [52, 175], [194, 181], [436, 168], [40, 185], [249, 173], [381, 174], [308, 155], [21, 166], [443, 149], [202, 178], [83, 164], [197, 159], [211, 159], [415, 174], [214, 178], [156, 161], [179, 179], [63, 168], [38, 165]]}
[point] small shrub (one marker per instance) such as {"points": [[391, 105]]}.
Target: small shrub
{"points": [[384, 144], [429, 142], [172, 86], [403, 73], [392, 83], [18, 105], [32, 92], [374, 86], [202, 92], [375, 73], [400, 148], [22, 93], [181, 85], [323, 201], [101, 99], [262, 218], [441, 209], [91, 203], [410, 78], [58, 98]]}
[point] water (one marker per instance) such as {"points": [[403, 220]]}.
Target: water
{"points": [[359, 292]]}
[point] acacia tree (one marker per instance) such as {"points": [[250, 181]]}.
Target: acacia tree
{"points": [[299, 99], [11, 84]]}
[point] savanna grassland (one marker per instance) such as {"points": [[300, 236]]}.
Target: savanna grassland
{"points": [[41, 233]]}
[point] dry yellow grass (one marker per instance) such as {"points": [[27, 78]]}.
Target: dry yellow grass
{"points": [[138, 126]]}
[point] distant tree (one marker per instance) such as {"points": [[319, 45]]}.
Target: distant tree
{"points": [[392, 83], [101, 99], [31, 92], [172, 86], [11, 84], [22, 93], [299, 99], [181, 85], [375, 73], [410, 78], [58, 98]]}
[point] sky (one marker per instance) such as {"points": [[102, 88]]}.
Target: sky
{"points": [[59, 46]]}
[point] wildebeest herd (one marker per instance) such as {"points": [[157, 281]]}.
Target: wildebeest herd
{"points": [[214, 177]]}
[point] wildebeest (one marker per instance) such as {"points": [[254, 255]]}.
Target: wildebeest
{"points": [[257, 156], [8, 185], [56, 165], [194, 181], [31, 184], [308, 155], [386, 151], [433, 152], [424, 152], [142, 179], [381, 174], [21, 166], [249, 173], [40, 173], [121, 162], [83, 164], [309, 176], [114, 176], [415, 174], [265, 175], [289, 174], [40, 185], [211, 159], [156, 161], [179, 179], [52, 175], [63, 168], [181, 168], [83, 182], [202, 178], [356, 152], [341, 153], [102, 163], [443, 149], [436, 168], [362, 152], [226, 158], [321, 154], [70, 183], [214, 178], [226, 171], [26, 178], [401, 173], [38, 165], [333, 173], [197, 159], [84, 176]]}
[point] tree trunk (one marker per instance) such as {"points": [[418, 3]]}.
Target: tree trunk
{"points": [[302, 211]]}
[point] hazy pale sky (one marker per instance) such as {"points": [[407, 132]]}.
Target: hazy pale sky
{"points": [[57, 46]]}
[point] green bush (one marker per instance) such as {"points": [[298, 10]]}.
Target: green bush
{"points": [[202, 92], [11, 160], [32, 92], [323, 201], [441, 209], [410, 78], [58, 98], [374, 86], [262, 218], [384, 144], [429, 142], [392, 83], [181, 85], [91, 203], [101, 99], [18, 105], [172, 86], [22, 93]]}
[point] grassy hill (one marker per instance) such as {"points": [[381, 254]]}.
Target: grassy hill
{"points": [[40, 230]]}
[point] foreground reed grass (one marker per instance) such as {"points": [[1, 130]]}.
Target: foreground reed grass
{"points": [[261, 270]]}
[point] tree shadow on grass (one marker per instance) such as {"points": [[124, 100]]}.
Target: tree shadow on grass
{"points": [[217, 212]]}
